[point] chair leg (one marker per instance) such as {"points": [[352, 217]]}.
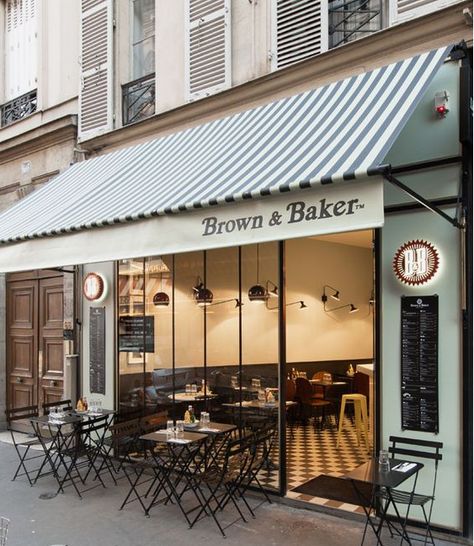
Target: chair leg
{"points": [[365, 422], [341, 421]]}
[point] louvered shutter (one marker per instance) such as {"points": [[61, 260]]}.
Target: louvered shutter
{"points": [[403, 10], [21, 59], [95, 93], [208, 47], [299, 30]]}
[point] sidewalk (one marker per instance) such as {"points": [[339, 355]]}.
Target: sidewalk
{"points": [[96, 520]]}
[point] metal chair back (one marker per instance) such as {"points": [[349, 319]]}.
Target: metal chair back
{"points": [[63, 405]]}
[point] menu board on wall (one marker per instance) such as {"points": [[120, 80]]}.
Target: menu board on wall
{"points": [[132, 336], [419, 363], [97, 350]]}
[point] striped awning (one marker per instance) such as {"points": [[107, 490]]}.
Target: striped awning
{"points": [[338, 132]]}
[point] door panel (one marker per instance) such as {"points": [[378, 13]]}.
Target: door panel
{"points": [[50, 334], [34, 338], [22, 343]]}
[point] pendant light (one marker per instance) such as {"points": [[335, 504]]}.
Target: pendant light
{"points": [[258, 293], [202, 295], [161, 299]]}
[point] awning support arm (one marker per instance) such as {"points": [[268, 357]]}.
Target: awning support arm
{"points": [[412, 193]]}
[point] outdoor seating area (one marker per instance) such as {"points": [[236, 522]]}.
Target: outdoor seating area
{"points": [[203, 469]]}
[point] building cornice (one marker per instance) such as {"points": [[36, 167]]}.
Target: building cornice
{"points": [[49, 134], [438, 29]]}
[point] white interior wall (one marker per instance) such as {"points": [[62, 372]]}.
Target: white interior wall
{"points": [[312, 334]]}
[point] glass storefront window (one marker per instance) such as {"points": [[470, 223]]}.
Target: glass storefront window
{"points": [[189, 334]]}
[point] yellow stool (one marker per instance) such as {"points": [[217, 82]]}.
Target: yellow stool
{"points": [[360, 414]]}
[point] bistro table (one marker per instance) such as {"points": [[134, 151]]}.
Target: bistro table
{"points": [[371, 473], [55, 436], [218, 433], [182, 452], [63, 435], [326, 384], [191, 397]]}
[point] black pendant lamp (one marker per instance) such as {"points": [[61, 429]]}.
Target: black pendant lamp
{"points": [[258, 293], [202, 295], [161, 299]]}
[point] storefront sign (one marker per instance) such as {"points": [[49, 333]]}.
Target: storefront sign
{"points": [[95, 287], [97, 350], [419, 363], [331, 208], [416, 262]]}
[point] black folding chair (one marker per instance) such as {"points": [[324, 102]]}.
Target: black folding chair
{"points": [[120, 444], [420, 449], [18, 423], [62, 405], [218, 485]]}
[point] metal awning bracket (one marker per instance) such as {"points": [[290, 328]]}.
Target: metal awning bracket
{"points": [[425, 202]]}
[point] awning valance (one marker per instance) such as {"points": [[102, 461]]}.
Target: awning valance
{"points": [[338, 132]]}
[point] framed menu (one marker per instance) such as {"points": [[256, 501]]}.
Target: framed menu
{"points": [[97, 350], [419, 363], [136, 331]]}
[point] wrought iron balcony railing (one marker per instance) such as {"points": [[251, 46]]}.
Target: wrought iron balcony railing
{"points": [[138, 99], [353, 19], [18, 108]]}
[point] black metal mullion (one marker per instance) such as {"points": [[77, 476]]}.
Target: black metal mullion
{"points": [[205, 332], [240, 338], [282, 365], [173, 336]]}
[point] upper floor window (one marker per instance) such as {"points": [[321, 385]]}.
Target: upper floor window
{"points": [[143, 38], [19, 94]]}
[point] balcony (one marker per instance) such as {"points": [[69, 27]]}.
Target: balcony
{"points": [[18, 108], [138, 99], [353, 19]]}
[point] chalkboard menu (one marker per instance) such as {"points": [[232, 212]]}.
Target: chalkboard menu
{"points": [[132, 336], [419, 366], [97, 349]]}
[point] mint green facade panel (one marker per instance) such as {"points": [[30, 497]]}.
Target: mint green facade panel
{"points": [[426, 136], [398, 229]]}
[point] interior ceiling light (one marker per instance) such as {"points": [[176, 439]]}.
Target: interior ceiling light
{"points": [[257, 293], [202, 295], [161, 298]]}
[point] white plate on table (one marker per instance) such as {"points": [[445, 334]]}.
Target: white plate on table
{"points": [[191, 425]]}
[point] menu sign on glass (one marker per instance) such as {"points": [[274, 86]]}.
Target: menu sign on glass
{"points": [[132, 335], [419, 363], [97, 350]]}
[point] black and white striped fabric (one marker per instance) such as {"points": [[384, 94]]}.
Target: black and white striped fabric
{"points": [[337, 132]]}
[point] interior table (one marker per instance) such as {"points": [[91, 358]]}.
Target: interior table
{"points": [[372, 473]]}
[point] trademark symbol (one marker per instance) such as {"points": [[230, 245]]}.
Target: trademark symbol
{"points": [[360, 206]]}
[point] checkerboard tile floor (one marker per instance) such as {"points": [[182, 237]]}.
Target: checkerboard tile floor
{"points": [[311, 452]]}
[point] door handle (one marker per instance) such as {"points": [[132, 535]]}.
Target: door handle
{"points": [[19, 379], [53, 383]]}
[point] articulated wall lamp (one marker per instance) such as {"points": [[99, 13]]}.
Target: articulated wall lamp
{"points": [[301, 303], [238, 303], [334, 295], [352, 308], [202, 295]]}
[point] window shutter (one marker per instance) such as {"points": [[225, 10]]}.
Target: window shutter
{"points": [[403, 10], [207, 47], [95, 93], [21, 59], [299, 30]]}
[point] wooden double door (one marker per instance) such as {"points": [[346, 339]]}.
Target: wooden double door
{"points": [[35, 348]]}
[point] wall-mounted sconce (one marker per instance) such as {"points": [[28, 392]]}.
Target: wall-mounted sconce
{"points": [[352, 308], [202, 295], [301, 303], [238, 303], [334, 295], [161, 299]]}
